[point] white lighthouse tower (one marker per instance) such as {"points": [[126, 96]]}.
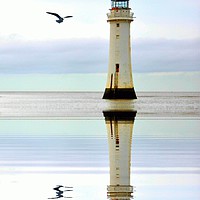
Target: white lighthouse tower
{"points": [[119, 128], [119, 80]]}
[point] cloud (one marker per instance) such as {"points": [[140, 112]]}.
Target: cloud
{"points": [[55, 56], [91, 56], [166, 55]]}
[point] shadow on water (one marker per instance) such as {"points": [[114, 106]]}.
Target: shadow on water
{"points": [[62, 193], [119, 131]]}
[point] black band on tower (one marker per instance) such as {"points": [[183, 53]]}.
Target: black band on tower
{"points": [[119, 93]]}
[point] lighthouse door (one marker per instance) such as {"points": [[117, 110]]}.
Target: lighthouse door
{"points": [[116, 82]]}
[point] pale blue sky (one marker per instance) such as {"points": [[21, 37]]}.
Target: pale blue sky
{"points": [[165, 36]]}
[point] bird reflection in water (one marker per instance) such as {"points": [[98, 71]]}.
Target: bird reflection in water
{"points": [[62, 193], [119, 128]]}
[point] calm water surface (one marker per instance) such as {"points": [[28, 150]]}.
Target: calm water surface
{"points": [[50, 148]]}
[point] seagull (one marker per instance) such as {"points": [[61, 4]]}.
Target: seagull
{"points": [[60, 19]]}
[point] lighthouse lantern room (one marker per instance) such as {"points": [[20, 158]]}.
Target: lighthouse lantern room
{"points": [[119, 79], [119, 4]]}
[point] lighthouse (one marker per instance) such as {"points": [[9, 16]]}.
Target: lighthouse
{"points": [[119, 79], [119, 128]]}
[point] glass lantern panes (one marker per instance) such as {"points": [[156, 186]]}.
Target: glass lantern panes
{"points": [[119, 4]]}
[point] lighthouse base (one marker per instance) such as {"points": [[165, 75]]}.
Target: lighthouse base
{"points": [[119, 93]]}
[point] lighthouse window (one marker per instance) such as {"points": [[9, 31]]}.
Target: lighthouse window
{"points": [[117, 67], [117, 36], [117, 25]]}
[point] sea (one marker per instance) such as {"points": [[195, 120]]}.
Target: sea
{"points": [[60, 140]]}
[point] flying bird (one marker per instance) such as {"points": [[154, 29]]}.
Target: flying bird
{"points": [[60, 19]]}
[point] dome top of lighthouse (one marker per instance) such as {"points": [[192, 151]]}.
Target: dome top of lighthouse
{"points": [[120, 3]]}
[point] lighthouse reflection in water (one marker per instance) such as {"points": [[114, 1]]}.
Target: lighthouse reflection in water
{"points": [[119, 129]]}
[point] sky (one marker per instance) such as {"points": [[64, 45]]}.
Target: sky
{"points": [[165, 36]]}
